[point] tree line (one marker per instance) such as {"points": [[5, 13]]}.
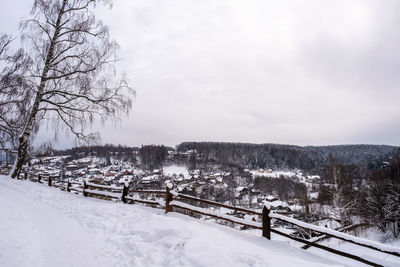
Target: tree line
{"points": [[278, 156]]}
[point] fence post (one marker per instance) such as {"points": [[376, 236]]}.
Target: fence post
{"points": [[39, 178], [124, 193], [49, 181], [25, 176], [69, 186], [168, 198], [266, 223], [84, 187]]}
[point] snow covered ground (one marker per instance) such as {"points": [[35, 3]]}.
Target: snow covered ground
{"points": [[275, 174], [42, 226], [173, 169]]}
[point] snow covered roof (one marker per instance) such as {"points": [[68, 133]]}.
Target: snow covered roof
{"points": [[240, 188], [313, 195], [312, 177], [150, 178], [276, 204], [125, 179], [271, 198]]}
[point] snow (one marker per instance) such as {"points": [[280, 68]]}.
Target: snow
{"points": [[368, 254], [160, 202], [275, 204], [239, 188], [43, 226], [126, 179], [173, 169], [103, 193], [169, 184], [286, 174], [35, 234], [345, 236], [93, 170], [214, 213], [313, 195], [112, 187], [275, 174], [34, 161]]}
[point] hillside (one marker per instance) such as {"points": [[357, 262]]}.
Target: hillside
{"points": [[42, 226], [279, 156]]}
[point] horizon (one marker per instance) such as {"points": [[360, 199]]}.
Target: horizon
{"points": [[224, 142]]}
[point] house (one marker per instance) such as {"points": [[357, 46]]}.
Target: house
{"points": [[93, 171], [54, 173], [240, 191], [111, 173], [92, 166], [72, 167], [156, 171], [151, 179], [276, 205], [128, 172], [79, 173], [125, 179], [271, 198], [113, 168]]}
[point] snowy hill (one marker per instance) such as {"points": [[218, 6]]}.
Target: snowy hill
{"points": [[42, 226]]}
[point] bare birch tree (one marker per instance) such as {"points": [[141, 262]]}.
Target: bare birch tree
{"points": [[14, 94], [72, 74]]}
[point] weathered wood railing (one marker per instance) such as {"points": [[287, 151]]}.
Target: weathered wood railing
{"points": [[112, 192], [266, 228], [322, 237], [172, 204], [160, 193], [342, 236]]}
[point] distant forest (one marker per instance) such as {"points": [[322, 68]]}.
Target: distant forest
{"points": [[245, 155], [276, 156]]}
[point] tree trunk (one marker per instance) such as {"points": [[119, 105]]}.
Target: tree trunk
{"points": [[24, 138]]}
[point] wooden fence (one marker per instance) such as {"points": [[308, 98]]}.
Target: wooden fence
{"points": [[175, 202]]}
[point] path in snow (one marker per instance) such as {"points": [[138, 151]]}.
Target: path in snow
{"points": [[42, 226]]}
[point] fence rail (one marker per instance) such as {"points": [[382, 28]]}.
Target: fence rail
{"points": [[184, 196], [146, 201], [172, 204], [217, 215], [160, 192], [112, 188], [339, 235], [334, 251], [321, 237]]}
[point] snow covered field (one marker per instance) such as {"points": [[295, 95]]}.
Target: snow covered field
{"points": [[42, 226]]}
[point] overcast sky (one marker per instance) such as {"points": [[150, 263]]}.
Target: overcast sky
{"points": [[294, 72]]}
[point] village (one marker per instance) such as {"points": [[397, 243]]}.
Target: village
{"points": [[212, 184]]}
